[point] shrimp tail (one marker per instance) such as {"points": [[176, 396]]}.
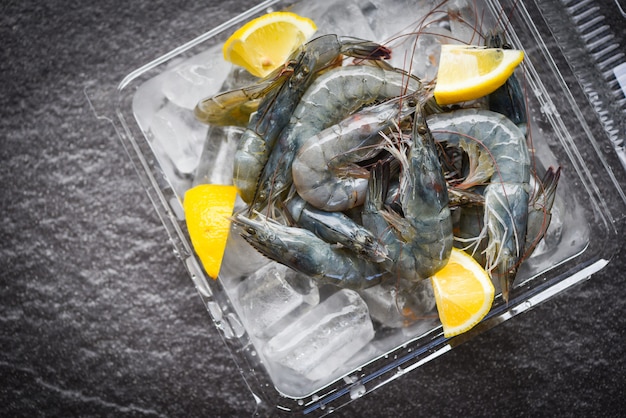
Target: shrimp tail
{"points": [[539, 209], [481, 166]]}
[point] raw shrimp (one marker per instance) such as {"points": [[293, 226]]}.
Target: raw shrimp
{"points": [[275, 109], [420, 239], [301, 250], [325, 171], [507, 194], [333, 96]]}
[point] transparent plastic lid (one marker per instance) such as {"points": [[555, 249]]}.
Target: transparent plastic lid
{"points": [[276, 322]]}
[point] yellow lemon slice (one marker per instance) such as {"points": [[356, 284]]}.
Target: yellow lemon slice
{"points": [[208, 208], [470, 72], [265, 43], [463, 293]]}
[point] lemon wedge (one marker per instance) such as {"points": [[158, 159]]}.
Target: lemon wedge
{"points": [[265, 43], [463, 293], [470, 72], [208, 208]]}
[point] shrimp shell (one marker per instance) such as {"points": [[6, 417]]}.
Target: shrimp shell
{"points": [[332, 97]]}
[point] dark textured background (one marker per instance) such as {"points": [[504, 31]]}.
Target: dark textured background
{"points": [[98, 317]]}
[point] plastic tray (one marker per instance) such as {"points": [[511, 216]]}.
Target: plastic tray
{"points": [[152, 112]]}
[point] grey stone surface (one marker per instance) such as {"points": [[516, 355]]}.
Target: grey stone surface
{"points": [[98, 317]]}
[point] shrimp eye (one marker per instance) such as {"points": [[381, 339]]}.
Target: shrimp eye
{"points": [[412, 102], [301, 74], [422, 130], [251, 231]]}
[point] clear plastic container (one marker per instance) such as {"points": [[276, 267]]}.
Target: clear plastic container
{"points": [[153, 115]]}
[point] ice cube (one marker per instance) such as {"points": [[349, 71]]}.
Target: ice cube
{"points": [[196, 78], [268, 301], [237, 78], [415, 38], [399, 304], [341, 18], [463, 22], [325, 338], [178, 137], [388, 19], [217, 158], [147, 101], [240, 258], [421, 56]]}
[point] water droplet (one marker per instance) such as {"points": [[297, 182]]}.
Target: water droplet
{"points": [[236, 325], [357, 391], [350, 379], [197, 277], [177, 208], [226, 329], [215, 310]]}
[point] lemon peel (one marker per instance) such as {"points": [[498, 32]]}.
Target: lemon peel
{"points": [[265, 43], [208, 208], [470, 72], [464, 293]]}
